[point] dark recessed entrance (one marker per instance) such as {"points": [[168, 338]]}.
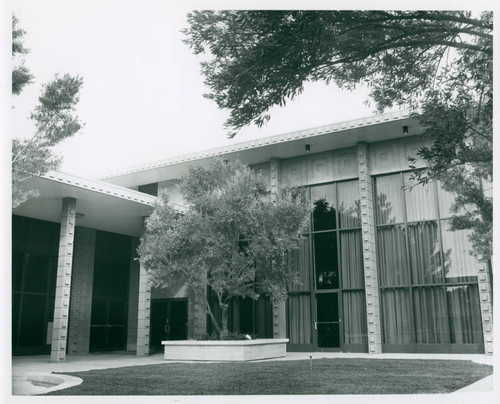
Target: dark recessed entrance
{"points": [[108, 324], [169, 321]]}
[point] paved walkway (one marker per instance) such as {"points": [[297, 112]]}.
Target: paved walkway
{"points": [[34, 374]]}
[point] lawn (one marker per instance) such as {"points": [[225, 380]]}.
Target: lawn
{"points": [[327, 376]]}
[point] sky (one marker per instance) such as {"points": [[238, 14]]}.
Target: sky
{"points": [[142, 98]]}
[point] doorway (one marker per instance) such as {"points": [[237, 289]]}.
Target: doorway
{"points": [[327, 325], [169, 321], [108, 324]]}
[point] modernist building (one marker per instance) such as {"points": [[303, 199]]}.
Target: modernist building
{"points": [[380, 270]]}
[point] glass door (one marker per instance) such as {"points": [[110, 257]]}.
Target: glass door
{"points": [[108, 325], [327, 325]]}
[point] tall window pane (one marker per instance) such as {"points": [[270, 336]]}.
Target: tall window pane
{"points": [[420, 200], [324, 209], [351, 259], [391, 253], [465, 314], [299, 319], [430, 315], [459, 264], [445, 200], [349, 206], [389, 199], [302, 264], [397, 319], [354, 317], [326, 259], [425, 262]]}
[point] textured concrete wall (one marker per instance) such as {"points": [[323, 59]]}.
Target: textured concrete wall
{"points": [[81, 291], [63, 283]]}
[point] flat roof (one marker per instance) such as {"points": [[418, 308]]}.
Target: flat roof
{"points": [[99, 205], [329, 137]]}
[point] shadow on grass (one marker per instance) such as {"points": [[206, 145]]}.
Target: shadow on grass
{"points": [[328, 376]]}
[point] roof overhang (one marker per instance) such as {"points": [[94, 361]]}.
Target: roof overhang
{"points": [[335, 136], [99, 205]]}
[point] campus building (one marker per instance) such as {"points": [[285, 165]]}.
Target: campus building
{"points": [[380, 270]]}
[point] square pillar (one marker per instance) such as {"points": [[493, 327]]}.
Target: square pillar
{"points": [[279, 320], [486, 304], [279, 309], [143, 311], [369, 251], [63, 284]]}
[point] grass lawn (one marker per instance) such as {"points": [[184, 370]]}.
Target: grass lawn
{"points": [[328, 376]]}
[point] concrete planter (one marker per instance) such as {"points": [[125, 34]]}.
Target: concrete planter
{"points": [[247, 350]]}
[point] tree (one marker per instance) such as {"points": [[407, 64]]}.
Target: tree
{"points": [[54, 119], [439, 63], [233, 234]]}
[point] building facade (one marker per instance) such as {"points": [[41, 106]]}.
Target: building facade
{"points": [[380, 270]]}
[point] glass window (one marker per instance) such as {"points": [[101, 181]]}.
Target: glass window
{"points": [[326, 259], [389, 199], [36, 274], [397, 317], [459, 264], [302, 265], [17, 270], [349, 205], [425, 260], [430, 315], [445, 200], [420, 201], [354, 317], [32, 330], [391, 252], [299, 319], [465, 314], [351, 259], [324, 214]]}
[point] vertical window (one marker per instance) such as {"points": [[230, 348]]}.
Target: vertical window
{"points": [[427, 277], [330, 266], [324, 214]]}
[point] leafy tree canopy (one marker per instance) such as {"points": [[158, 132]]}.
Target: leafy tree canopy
{"points": [[54, 119], [235, 238], [439, 63]]}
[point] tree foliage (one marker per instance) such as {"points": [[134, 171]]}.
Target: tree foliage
{"points": [[54, 119], [235, 238], [21, 75], [439, 63]]}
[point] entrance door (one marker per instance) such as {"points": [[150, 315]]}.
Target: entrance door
{"points": [[108, 324], [327, 324], [169, 321]]}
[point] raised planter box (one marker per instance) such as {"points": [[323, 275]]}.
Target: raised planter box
{"points": [[247, 350]]}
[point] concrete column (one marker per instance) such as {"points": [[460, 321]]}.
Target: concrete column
{"points": [[200, 315], [279, 310], [133, 297], [81, 295], [486, 299], [279, 320], [143, 312], [369, 251], [275, 176], [63, 285]]}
